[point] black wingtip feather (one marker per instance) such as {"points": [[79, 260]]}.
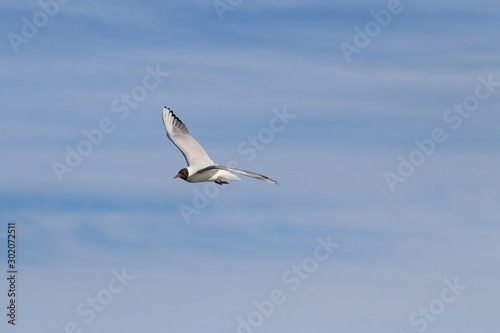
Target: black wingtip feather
{"points": [[176, 119]]}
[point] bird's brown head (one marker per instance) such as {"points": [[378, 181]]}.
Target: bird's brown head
{"points": [[184, 174]]}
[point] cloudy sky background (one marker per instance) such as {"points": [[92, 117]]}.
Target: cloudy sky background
{"points": [[120, 208]]}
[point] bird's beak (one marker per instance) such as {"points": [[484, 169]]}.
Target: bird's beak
{"points": [[176, 176]]}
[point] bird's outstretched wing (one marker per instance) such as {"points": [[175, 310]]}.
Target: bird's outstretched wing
{"points": [[177, 132], [242, 172]]}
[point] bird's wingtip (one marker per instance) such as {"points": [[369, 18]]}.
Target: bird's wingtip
{"points": [[167, 110]]}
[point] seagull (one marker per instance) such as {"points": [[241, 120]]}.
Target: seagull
{"points": [[200, 167]]}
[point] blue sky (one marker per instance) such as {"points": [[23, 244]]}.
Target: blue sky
{"points": [[350, 124]]}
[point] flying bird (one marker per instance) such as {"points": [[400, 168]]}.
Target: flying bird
{"points": [[200, 167]]}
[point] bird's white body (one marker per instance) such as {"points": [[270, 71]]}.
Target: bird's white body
{"points": [[208, 175], [200, 167]]}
